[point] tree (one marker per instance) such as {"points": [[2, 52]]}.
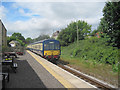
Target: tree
{"points": [[8, 40], [17, 37], [69, 34], [28, 40], [93, 32], [110, 22]]}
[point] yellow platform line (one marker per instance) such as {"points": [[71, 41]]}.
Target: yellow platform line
{"points": [[65, 83]]}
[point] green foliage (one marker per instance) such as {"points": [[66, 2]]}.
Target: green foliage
{"points": [[93, 32], [110, 22], [96, 50], [17, 37], [21, 42], [69, 34], [75, 51], [28, 40]]}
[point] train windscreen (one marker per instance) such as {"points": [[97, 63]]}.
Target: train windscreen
{"points": [[51, 46]]}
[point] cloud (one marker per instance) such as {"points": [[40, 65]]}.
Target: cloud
{"points": [[23, 13], [3, 12], [33, 27], [46, 17]]}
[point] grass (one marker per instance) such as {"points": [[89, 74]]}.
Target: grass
{"points": [[91, 67]]}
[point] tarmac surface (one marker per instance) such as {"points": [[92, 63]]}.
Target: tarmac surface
{"points": [[26, 76]]}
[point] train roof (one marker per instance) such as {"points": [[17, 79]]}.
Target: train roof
{"points": [[45, 40]]}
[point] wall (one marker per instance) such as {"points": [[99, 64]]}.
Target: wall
{"points": [[3, 35], [0, 33]]}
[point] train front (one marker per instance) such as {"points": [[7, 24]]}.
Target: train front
{"points": [[52, 49]]}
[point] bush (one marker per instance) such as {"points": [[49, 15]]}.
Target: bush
{"points": [[95, 50]]}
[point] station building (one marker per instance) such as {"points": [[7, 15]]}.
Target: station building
{"points": [[14, 43], [3, 35]]}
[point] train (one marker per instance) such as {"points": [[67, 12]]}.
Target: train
{"points": [[49, 49]]}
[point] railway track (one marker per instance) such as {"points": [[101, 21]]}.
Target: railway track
{"points": [[91, 80]]}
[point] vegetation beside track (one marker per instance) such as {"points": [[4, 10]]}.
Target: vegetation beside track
{"points": [[94, 57]]}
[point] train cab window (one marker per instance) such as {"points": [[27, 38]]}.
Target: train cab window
{"points": [[57, 46], [51, 46]]}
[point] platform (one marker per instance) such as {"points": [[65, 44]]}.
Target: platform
{"points": [[36, 72], [67, 79]]}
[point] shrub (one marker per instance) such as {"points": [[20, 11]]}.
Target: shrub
{"points": [[96, 50]]}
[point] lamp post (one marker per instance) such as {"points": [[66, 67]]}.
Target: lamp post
{"points": [[77, 32]]}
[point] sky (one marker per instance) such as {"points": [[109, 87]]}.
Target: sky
{"points": [[33, 18]]}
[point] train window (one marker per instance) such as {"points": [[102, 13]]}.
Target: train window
{"points": [[57, 46], [51, 46], [46, 46], [39, 47]]}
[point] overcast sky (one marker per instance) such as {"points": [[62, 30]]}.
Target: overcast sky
{"points": [[36, 18]]}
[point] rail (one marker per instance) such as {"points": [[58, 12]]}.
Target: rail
{"points": [[91, 80]]}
